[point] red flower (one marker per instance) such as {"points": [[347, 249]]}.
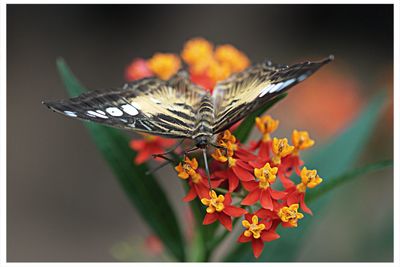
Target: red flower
{"points": [[138, 69], [296, 194], [261, 190], [148, 146], [257, 232], [220, 208]]}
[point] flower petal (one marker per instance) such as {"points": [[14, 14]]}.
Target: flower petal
{"points": [[303, 205], [263, 152], [243, 239], [258, 246], [268, 236], [142, 156], [242, 174], [234, 211], [210, 218], [277, 194], [233, 180], [225, 220], [190, 195], [266, 200], [252, 197], [228, 199], [250, 185], [293, 198], [137, 144]]}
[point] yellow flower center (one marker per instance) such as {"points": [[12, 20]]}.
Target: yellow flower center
{"points": [[266, 125], [280, 148], [266, 175], [263, 184], [214, 203], [310, 178], [254, 228], [290, 214], [301, 140]]}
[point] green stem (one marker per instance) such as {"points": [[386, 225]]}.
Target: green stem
{"points": [[340, 180]]}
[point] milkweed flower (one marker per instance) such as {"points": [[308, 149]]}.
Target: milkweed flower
{"points": [[148, 146], [261, 190], [238, 168], [290, 215], [257, 232], [296, 194], [164, 65], [219, 208], [266, 125], [198, 185], [137, 69]]}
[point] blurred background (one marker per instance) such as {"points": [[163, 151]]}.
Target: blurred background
{"points": [[64, 204]]}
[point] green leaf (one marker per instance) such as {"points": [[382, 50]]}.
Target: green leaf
{"points": [[340, 180], [332, 160], [245, 127], [143, 190]]}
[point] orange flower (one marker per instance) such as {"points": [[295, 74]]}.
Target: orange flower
{"points": [[220, 208], [258, 232], [301, 140], [228, 54], [164, 65], [280, 148], [290, 215], [261, 190], [197, 53]]}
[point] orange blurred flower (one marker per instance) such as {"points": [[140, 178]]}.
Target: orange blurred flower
{"points": [[164, 65]]}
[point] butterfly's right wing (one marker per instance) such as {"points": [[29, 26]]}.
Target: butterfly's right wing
{"points": [[150, 105], [246, 91]]}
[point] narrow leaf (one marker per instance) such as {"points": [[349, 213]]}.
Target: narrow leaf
{"points": [[143, 190]]}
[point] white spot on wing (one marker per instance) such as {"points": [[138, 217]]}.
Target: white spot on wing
{"points": [[276, 87], [266, 90], [95, 114], [113, 111], [70, 113], [130, 109]]}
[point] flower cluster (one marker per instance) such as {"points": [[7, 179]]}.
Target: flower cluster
{"points": [[206, 64], [250, 176], [265, 183]]}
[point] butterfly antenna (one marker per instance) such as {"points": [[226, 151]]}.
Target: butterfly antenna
{"points": [[157, 168], [207, 169]]}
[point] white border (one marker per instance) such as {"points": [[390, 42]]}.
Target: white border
{"points": [[3, 83]]}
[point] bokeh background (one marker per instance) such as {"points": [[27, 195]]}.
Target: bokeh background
{"points": [[63, 202]]}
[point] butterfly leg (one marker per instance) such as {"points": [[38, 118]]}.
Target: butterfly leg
{"points": [[170, 150], [207, 169], [220, 147]]}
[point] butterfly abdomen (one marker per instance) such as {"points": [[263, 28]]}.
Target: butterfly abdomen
{"points": [[204, 121]]}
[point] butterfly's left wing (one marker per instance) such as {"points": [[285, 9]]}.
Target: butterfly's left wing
{"points": [[150, 105], [246, 91]]}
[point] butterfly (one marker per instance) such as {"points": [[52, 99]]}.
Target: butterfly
{"points": [[178, 108]]}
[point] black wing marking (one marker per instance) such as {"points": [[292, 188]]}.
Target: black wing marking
{"points": [[149, 105], [246, 91]]}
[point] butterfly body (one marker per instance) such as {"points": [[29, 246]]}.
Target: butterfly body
{"points": [[177, 108], [203, 132]]}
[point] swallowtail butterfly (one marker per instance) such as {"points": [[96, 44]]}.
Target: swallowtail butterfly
{"points": [[178, 108]]}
